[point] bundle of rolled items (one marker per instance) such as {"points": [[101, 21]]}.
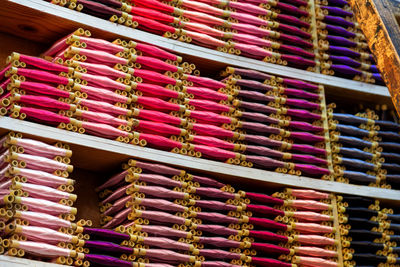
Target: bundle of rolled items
{"points": [[342, 46], [179, 218], [281, 35], [369, 233], [129, 103], [365, 149], [37, 210]]}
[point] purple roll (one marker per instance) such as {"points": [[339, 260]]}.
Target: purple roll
{"points": [[105, 234], [338, 21], [359, 177], [335, 11], [302, 103], [307, 137], [259, 128], [338, 50], [355, 153], [340, 31], [300, 93], [338, 2], [265, 162], [349, 118], [345, 70], [345, 61], [253, 116], [107, 260], [303, 114], [252, 74], [107, 247], [293, 20], [305, 126], [309, 149], [300, 84], [254, 85], [377, 77], [358, 164], [341, 41], [353, 141]]}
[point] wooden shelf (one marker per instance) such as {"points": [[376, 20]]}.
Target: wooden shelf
{"points": [[44, 22], [99, 154], [7, 261]]}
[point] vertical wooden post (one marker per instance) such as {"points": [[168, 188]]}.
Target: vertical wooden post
{"points": [[382, 32]]}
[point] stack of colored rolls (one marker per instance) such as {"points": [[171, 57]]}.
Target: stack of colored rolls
{"points": [[163, 207], [343, 49], [369, 233], [281, 35], [129, 103], [365, 149], [37, 210]]}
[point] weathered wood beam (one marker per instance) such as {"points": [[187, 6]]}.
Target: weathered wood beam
{"points": [[382, 32]]}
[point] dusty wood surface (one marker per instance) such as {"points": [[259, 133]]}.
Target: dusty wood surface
{"points": [[378, 22]]}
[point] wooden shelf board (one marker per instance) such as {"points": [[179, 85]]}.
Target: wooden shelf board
{"points": [[7, 261], [99, 154], [44, 22]]}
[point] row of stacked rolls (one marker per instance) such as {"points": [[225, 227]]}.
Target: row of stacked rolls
{"points": [[140, 94], [313, 35], [365, 147]]}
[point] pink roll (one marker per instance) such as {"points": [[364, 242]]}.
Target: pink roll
{"points": [[206, 82], [158, 104], [117, 205], [41, 177], [315, 240], [42, 249], [100, 69], [311, 216], [102, 82], [313, 228], [315, 252], [212, 141], [166, 243], [309, 205], [162, 192], [219, 254], [121, 191], [96, 56], [119, 218], [207, 181], [160, 204], [39, 148], [100, 118], [215, 153], [158, 168], [44, 192], [308, 194], [42, 88], [155, 63], [43, 219], [157, 180], [103, 107], [45, 206], [167, 255], [162, 231], [102, 94], [43, 234], [207, 116], [152, 76], [102, 130], [316, 262], [117, 178], [41, 163], [160, 216]]}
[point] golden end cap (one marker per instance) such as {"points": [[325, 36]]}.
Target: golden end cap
{"points": [[70, 168], [73, 211]]}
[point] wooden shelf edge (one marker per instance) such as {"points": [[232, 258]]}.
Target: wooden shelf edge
{"points": [[95, 144], [61, 16], [7, 261]]}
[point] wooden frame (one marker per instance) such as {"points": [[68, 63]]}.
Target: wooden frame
{"points": [[378, 22]]}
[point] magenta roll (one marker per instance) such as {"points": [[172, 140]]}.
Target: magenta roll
{"points": [[210, 130], [215, 153], [152, 76], [212, 141], [102, 94], [155, 90], [267, 224], [100, 118], [269, 262], [202, 92], [103, 107], [158, 168], [158, 117], [153, 26], [41, 76], [102, 81], [160, 142], [40, 63], [41, 88], [158, 104], [155, 63], [210, 117], [42, 101], [43, 115]]}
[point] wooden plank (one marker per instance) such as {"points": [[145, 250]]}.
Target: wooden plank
{"points": [[44, 22], [7, 261], [383, 36], [99, 154]]}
